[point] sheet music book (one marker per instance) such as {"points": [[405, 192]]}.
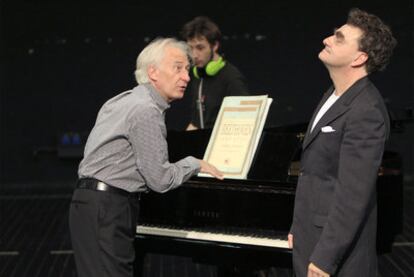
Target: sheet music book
{"points": [[236, 134]]}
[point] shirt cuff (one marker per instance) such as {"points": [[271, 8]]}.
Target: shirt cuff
{"points": [[193, 163]]}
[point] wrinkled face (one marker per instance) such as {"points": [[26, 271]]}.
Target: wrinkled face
{"points": [[170, 77], [201, 50], [341, 48]]}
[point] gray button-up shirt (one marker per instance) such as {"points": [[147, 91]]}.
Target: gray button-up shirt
{"points": [[127, 147]]}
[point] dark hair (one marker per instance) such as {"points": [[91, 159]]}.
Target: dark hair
{"points": [[201, 26], [376, 40]]}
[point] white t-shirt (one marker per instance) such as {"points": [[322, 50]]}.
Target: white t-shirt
{"points": [[325, 107]]}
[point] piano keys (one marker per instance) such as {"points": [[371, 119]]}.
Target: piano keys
{"points": [[243, 238]]}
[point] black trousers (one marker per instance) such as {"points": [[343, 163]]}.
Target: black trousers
{"points": [[103, 227]]}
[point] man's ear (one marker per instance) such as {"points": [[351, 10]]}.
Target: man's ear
{"points": [[360, 60], [216, 46], [152, 73]]}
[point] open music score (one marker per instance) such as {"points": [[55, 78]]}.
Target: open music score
{"points": [[236, 134]]}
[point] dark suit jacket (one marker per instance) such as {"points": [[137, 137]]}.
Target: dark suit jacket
{"points": [[334, 223]]}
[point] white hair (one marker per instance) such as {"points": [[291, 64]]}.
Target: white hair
{"points": [[153, 54]]}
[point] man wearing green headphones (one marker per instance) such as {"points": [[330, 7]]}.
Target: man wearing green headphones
{"points": [[212, 77]]}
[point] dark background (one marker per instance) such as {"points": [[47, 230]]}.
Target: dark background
{"points": [[61, 60]]}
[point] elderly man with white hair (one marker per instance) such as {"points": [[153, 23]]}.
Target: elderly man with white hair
{"points": [[126, 154]]}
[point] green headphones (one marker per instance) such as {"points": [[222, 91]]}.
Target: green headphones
{"points": [[212, 68]]}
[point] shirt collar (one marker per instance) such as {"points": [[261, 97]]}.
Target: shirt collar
{"points": [[159, 100]]}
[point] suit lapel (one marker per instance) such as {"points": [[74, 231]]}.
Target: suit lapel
{"points": [[336, 110], [323, 100]]}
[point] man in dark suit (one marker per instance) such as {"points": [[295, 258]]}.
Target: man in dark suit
{"points": [[335, 217]]}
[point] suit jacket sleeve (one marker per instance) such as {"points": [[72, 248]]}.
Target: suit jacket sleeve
{"points": [[355, 191]]}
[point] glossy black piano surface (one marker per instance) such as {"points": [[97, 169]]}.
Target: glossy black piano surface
{"points": [[245, 222]]}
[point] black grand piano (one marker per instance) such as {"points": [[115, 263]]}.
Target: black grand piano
{"points": [[242, 225]]}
